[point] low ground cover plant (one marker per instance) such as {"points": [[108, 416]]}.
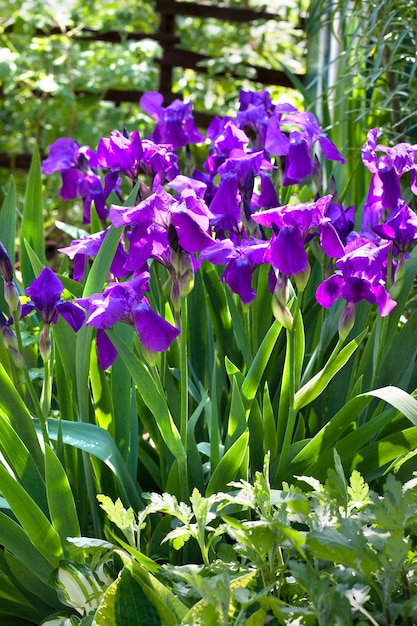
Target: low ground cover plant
{"points": [[219, 331]]}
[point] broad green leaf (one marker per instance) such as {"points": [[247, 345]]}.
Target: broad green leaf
{"points": [[318, 383], [151, 396], [257, 367], [219, 312], [229, 465], [372, 459], [16, 540], [241, 337], [36, 263], [170, 608], [270, 433], [20, 460], [39, 529], [318, 452], [125, 418], [63, 511], [125, 604], [15, 411], [96, 441], [40, 594], [32, 229], [102, 399], [237, 419]]}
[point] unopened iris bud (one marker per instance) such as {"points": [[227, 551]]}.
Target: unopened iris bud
{"points": [[9, 338], [6, 268], [282, 313], [282, 291], [175, 295], [45, 343], [150, 356], [301, 279], [398, 278], [17, 358], [11, 295], [186, 279], [347, 320]]}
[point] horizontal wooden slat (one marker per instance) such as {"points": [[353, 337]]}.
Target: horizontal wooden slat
{"points": [[176, 57], [217, 10], [93, 34]]}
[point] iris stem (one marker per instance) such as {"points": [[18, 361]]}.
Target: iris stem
{"points": [[184, 373], [35, 400], [183, 466], [293, 383], [46, 388]]}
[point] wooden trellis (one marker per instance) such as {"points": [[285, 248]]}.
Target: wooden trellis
{"points": [[173, 55]]}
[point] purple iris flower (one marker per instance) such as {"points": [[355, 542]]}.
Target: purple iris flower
{"points": [[360, 275], [240, 260], [401, 228], [160, 222], [78, 168], [231, 205], [126, 302], [225, 136], [255, 109], [293, 136], [387, 169], [129, 155], [121, 153], [292, 223], [81, 249], [45, 297], [174, 124]]}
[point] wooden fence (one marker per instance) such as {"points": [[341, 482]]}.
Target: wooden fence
{"points": [[173, 55]]}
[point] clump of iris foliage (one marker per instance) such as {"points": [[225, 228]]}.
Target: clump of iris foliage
{"points": [[204, 404]]}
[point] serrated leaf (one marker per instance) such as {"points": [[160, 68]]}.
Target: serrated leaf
{"points": [[116, 512]]}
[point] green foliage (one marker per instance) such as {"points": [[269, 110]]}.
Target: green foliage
{"points": [[362, 74], [334, 552]]}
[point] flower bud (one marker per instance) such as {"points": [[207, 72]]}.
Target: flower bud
{"points": [[45, 343], [9, 337], [398, 278], [17, 358], [301, 279], [186, 279], [282, 313], [175, 295], [150, 356], [11, 295], [6, 268], [282, 291], [347, 320]]}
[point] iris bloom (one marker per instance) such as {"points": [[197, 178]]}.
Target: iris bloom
{"points": [[126, 302], [292, 224], [160, 222], [293, 136], [360, 275], [401, 228], [240, 261], [81, 249], [78, 168], [174, 124], [129, 155], [45, 296], [387, 165]]}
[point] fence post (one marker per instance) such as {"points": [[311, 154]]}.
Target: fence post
{"points": [[166, 71]]}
